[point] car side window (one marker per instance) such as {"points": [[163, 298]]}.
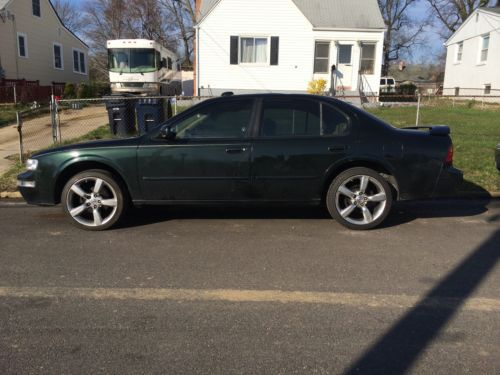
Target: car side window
{"points": [[335, 123], [285, 118], [225, 119]]}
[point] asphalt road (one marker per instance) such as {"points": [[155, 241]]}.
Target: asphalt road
{"points": [[252, 291]]}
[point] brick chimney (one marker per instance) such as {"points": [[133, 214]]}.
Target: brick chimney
{"points": [[197, 8]]}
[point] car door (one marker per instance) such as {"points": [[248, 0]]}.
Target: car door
{"points": [[298, 140], [209, 159]]}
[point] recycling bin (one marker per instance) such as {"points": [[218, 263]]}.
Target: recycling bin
{"points": [[150, 112], [121, 113]]}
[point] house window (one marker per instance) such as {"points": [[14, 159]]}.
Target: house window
{"points": [[35, 5], [485, 43], [321, 57], [79, 63], [367, 59], [487, 89], [345, 53], [22, 45], [58, 56], [460, 50], [253, 50]]}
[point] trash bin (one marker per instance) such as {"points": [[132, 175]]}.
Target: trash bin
{"points": [[121, 115], [150, 112]]}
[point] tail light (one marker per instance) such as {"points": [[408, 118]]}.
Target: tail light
{"points": [[448, 160]]}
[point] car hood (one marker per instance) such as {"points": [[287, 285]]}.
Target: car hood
{"points": [[91, 144]]}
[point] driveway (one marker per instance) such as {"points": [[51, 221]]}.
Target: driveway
{"points": [[207, 290], [37, 132]]}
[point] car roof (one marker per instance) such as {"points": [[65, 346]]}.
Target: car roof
{"points": [[323, 98]]}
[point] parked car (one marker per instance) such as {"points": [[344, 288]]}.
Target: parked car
{"points": [[497, 156], [259, 149], [387, 85]]}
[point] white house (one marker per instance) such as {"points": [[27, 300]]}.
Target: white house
{"points": [[36, 46], [248, 46], [473, 58]]}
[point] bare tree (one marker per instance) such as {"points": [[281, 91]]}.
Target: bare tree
{"points": [[452, 13], [182, 12], [402, 34], [70, 15]]}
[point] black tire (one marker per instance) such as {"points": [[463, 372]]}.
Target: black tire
{"points": [[91, 210], [350, 209]]}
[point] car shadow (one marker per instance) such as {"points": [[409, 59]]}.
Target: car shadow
{"points": [[402, 212]]}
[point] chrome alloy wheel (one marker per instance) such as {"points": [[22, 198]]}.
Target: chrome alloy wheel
{"points": [[91, 201], [360, 199]]}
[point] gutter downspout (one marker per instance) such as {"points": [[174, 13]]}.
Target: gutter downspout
{"points": [[197, 62]]}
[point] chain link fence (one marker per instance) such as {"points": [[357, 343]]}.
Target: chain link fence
{"points": [[70, 121], [75, 120]]}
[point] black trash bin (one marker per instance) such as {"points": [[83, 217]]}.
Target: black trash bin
{"points": [[121, 113], [150, 112]]}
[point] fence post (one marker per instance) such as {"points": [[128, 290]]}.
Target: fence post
{"points": [[53, 118], [19, 121], [15, 94], [418, 109]]}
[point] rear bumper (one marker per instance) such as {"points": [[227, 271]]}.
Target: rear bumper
{"points": [[448, 182]]}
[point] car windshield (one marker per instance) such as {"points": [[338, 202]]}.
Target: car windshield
{"points": [[131, 60]]}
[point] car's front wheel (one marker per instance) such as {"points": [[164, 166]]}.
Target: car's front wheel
{"points": [[359, 198], [93, 200]]}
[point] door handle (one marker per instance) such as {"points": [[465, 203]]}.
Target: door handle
{"points": [[337, 148], [235, 150]]}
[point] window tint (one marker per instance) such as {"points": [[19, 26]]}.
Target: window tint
{"points": [[228, 119], [335, 123], [290, 118]]}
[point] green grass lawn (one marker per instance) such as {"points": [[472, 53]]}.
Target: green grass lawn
{"points": [[8, 113], [474, 132]]}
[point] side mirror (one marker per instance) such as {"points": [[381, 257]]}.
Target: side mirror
{"points": [[168, 133]]}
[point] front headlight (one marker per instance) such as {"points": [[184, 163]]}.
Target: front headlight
{"points": [[31, 164]]}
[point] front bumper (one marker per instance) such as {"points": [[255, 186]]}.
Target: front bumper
{"points": [[448, 182], [32, 191]]}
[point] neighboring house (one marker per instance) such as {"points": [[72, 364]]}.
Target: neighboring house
{"points": [[280, 45], [473, 58], [35, 45]]}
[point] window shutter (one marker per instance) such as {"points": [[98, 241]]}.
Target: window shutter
{"points": [[275, 48], [234, 50]]}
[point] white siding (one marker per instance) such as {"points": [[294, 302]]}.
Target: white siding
{"points": [[296, 48], [260, 18], [470, 73]]}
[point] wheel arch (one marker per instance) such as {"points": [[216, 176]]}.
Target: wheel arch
{"points": [[78, 166], [376, 165]]}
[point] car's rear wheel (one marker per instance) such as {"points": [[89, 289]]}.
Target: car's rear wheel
{"points": [[359, 198], [93, 200]]}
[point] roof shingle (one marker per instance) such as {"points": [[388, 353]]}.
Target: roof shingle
{"points": [[331, 14]]}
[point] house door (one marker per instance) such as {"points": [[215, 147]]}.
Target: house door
{"points": [[344, 68]]}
